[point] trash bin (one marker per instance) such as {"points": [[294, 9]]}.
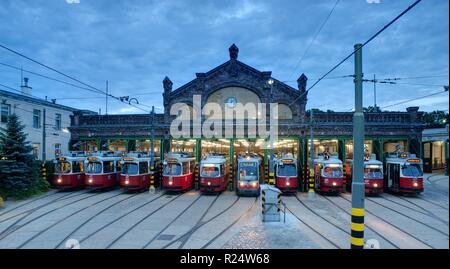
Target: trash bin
{"points": [[270, 203]]}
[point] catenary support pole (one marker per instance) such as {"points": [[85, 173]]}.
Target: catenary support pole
{"points": [[311, 192], [357, 213]]}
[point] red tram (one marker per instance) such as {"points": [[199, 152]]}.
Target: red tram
{"points": [[102, 170], [213, 174], [69, 171], [135, 171], [178, 172], [403, 173], [286, 175], [373, 175], [329, 175]]}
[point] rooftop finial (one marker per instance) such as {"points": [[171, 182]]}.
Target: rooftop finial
{"points": [[234, 50]]}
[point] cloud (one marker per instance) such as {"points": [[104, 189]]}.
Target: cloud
{"points": [[135, 44]]}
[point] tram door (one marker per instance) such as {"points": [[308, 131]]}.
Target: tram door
{"points": [[393, 177]]}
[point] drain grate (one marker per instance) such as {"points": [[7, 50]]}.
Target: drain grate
{"points": [[166, 237]]}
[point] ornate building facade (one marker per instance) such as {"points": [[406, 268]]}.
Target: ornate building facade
{"points": [[235, 82]]}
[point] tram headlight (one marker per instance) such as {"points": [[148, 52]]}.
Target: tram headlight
{"points": [[209, 183], [254, 184], [90, 180], [170, 183], [127, 182], [241, 184], [334, 184], [288, 183], [59, 180], [415, 184], [375, 185]]}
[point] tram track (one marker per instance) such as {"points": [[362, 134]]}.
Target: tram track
{"points": [[76, 212], [402, 214], [393, 225], [65, 197], [245, 213], [311, 228], [15, 226], [185, 237], [368, 226], [140, 221], [427, 212], [29, 202], [173, 220], [105, 225], [200, 223]]}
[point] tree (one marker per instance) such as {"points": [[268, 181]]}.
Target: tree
{"points": [[435, 119], [18, 170]]}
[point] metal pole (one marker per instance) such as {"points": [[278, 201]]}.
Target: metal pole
{"points": [[106, 111], [271, 174], [43, 136], [357, 226], [374, 94], [311, 192], [152, 137]]}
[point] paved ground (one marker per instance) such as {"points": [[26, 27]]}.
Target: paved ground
{"points": [[157, 220]]}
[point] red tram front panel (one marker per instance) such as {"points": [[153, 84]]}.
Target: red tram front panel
{"points": [[69, 171], [178, 172], [373, 175], [403, 173], [102, 171], [329, 174], [213, 174], [286, 174]]}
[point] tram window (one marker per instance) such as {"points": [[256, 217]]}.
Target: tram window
{"points": [[372, 172], [287, 170], [108, 167], [172, 169], [130, 169], [77, 167], [62, 167], [143, 168], [248, 170], [412, 170], [210, 171], [94, 167], [185, 168], [329, 171]]}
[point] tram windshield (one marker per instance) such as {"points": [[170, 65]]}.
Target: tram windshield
{"points": [[172, 169], [372, 171], [210, 171], [412, 170], [332, 171], [94, 168], [62, 167], [287, 170], [130, 169], [248, 170]]}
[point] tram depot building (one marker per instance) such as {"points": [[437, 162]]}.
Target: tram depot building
{"points": [[236, 82]]}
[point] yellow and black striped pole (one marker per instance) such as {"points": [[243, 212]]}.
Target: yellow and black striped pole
{"points": [[311, 180], [44, 171], [266, 173], [197, 176], [358, 186], [152, 178], [230, 177], [357, 240]]}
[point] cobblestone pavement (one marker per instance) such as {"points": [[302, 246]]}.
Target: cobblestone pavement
{"points": [[115, 219]]}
